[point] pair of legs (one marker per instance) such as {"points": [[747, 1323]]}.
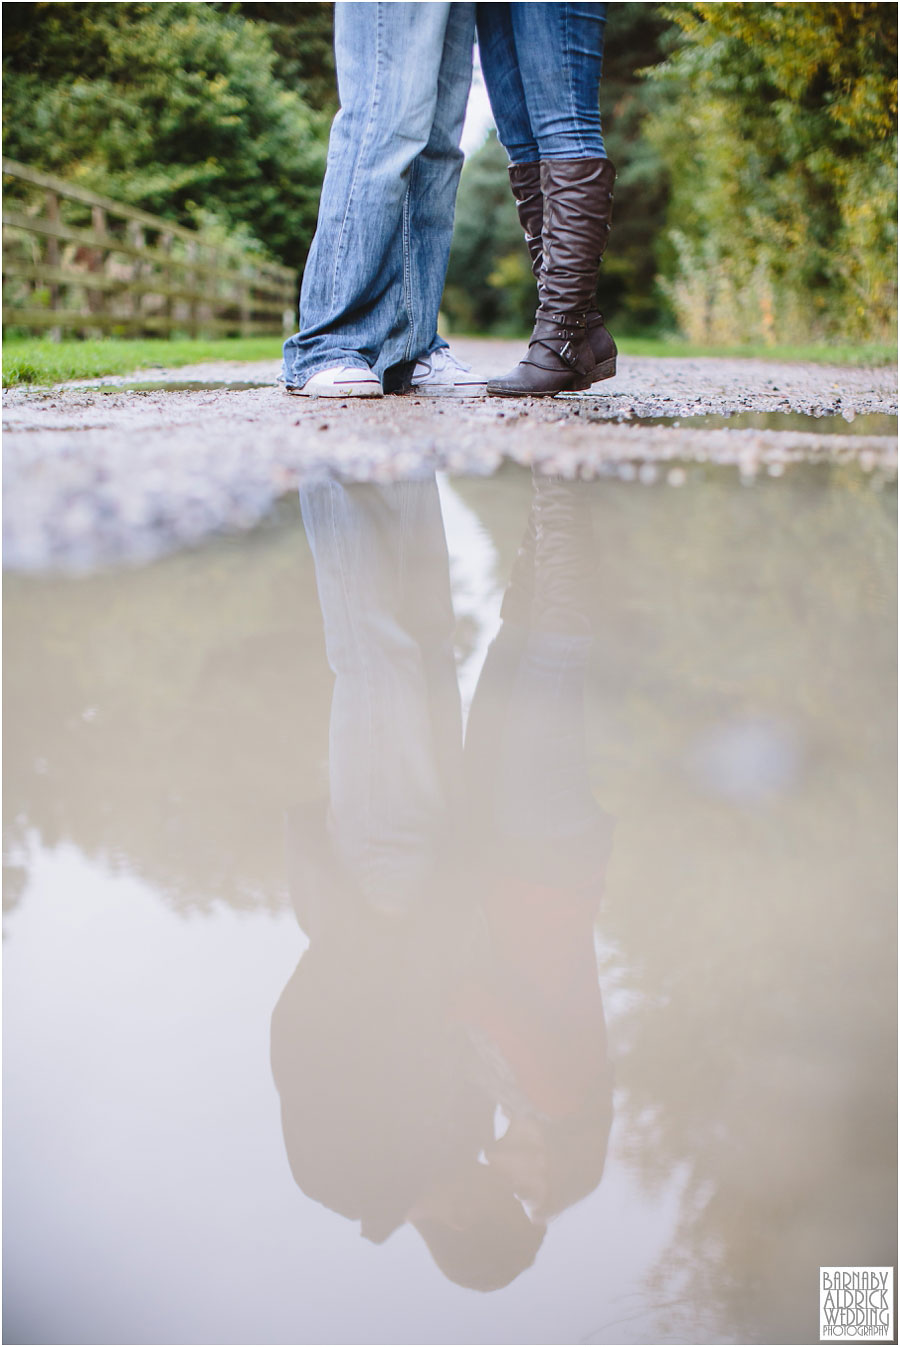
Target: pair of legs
{"points": [[375, 273], [542, 65]]}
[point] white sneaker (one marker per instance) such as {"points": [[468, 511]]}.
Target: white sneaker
{"points": [[345, 381], [440, 374]]}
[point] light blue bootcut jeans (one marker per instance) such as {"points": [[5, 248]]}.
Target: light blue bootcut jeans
{"points": [[542, 65], [375, 273]]}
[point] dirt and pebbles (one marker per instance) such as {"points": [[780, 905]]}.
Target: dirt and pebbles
{"points": [[98, 472]]}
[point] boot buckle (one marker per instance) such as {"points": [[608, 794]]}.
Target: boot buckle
{"points": [[569, 354]]}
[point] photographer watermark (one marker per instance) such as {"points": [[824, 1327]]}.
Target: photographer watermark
{"points": [[856, 1304]]}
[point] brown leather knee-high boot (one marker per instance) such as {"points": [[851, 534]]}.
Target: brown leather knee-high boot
{"points": [[576, 213], [525, 181]]}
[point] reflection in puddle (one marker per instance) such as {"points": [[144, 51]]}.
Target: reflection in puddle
{"points": [[574, 736], [176, 386], [451, 970], [863, 423]]}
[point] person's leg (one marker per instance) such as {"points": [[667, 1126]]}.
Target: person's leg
{"points": [[562, 95], [525, 739], [429, 206], [388, 58], [503, 81], [570, 348]]}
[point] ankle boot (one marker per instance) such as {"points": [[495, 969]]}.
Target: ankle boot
{"points": [[525, 181], [577, 207]]}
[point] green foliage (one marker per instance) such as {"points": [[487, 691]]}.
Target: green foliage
{"points": [[866, 355], [489, 282], [176, 108], [638, 36], [778, 126], [302, 38]]}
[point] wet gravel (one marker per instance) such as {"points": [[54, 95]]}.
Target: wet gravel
{"points": [[97, 473]]}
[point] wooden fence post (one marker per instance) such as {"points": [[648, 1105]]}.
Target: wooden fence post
{"points": [[97, 299], [165, 243], [245, 289], [135, 235], [191, 252], [55, 333]]}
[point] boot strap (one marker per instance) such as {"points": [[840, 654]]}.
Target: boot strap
{"points": [[567, 353], [562, 334], [573, 324]]}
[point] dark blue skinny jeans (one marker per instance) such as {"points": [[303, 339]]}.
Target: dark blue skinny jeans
{"points": [[542, 66]]}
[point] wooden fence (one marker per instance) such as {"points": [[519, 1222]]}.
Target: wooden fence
{"points": [[74, 261]]}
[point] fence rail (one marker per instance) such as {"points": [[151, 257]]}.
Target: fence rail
{"points": [[77, 261]]}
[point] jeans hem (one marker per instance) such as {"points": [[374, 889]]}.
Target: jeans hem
{"points": [[568, 157]]}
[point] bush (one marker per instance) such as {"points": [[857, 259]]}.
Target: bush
{"points": [[175, 108], [778, 127]]}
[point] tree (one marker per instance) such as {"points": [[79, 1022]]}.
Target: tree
{"points": [[302, 37], [638, 37], [489, 282], [175, 108], [779, 126]]}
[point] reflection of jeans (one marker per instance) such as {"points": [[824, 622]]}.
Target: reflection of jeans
{"points": [[395, 746], [542, 65], [375, 273]]}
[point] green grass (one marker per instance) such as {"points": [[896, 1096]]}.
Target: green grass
{"points": [[36, 360], [869, 354], [866, 355]]}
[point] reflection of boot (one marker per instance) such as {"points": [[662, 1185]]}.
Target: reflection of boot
{"points": [[562, 557], [549, 588], [577, 208], [517, 599], [525, 180]]}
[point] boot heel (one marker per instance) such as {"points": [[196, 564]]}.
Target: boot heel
{"points": [[605, 370]]}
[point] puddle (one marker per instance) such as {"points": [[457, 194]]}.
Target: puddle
{"points": [[868, 423], [187, 386], [545, 952]]}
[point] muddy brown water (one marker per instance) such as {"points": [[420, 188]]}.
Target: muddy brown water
{"points": [[530, 979]]}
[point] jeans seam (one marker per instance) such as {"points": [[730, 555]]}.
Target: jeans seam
{"points": [[379, 44], [406, 248], [570, 76]]}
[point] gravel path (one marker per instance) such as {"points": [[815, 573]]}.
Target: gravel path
{"points": [[96, 474]]}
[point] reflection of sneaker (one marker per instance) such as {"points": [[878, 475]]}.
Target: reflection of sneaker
{"points": [[347, 381], [440, 374]]}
